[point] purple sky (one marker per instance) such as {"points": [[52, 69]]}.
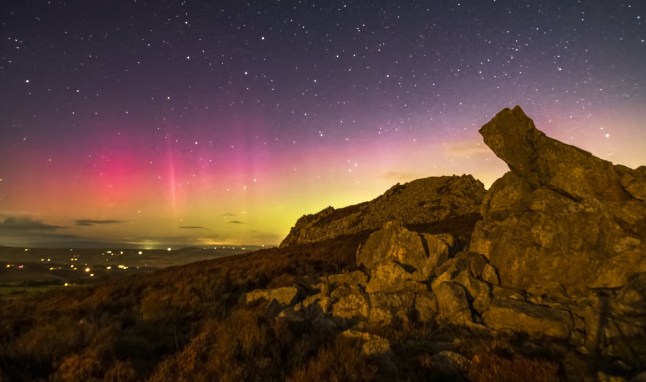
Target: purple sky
{"points": [[234, 118]]}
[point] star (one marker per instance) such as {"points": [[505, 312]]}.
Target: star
{"points": [[187, 100]]}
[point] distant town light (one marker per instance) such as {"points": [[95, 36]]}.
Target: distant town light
{"points": [[169, 249]]}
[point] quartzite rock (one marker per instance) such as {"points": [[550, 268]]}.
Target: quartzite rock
{"points": [[397, 258], [393, 243], [452, 303], [435, 205], [521, 317], [351, 307], [545, 162], [473, 263], [372, 343], [390, 277], [478, 291], [352, 279], [560, 251], [284, 296], [562, 220], [426, 306], [629, 304], [622, 322], [490, 275], [387, 307]]}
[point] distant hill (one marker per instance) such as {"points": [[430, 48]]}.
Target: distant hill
{"points": [[29, 270]]}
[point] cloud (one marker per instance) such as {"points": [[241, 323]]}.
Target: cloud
{"points": [[236, 222], [21, 231], [469, 147], [176, 241], [192, 227], [14, 223], [90, 222]]}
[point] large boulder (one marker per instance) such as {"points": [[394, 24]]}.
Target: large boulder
{"points": [[534, 320], [434, 205], [397, 258], [561, 221], [396, 243], [391, 277]]}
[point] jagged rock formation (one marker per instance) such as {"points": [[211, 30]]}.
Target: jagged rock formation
{"points": [[562, 221], [559, 254], [440, 204], [567, 231]]}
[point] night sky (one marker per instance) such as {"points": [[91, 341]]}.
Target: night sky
{"points": [[157, 123]]}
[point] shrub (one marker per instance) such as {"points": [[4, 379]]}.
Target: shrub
{"points": [[82, 367], [492, 367], [340, 361]]}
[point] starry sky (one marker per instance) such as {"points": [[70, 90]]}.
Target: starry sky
{"points": [[152, 123]]}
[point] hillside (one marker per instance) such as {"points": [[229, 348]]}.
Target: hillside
{"points": [[426, 205], [540, 278]]}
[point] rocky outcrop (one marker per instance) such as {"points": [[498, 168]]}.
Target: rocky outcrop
{"points": [[406, 275], [562, 221], [284, 296], [435, 205], [565, 235], [559, 255], [397, 258]]}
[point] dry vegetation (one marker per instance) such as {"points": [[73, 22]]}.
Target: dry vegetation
{"points": [[182, 321], [186, 324]]}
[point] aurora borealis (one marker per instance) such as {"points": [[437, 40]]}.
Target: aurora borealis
{"points": [[153, 123]]}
